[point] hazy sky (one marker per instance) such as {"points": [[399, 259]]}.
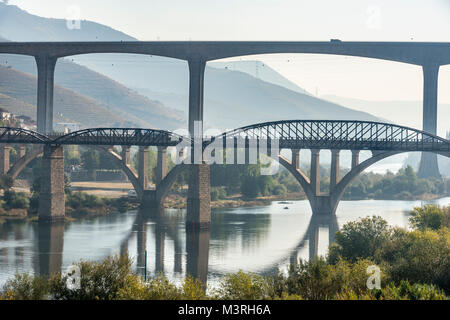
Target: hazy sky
{"points": [[389, 20]]}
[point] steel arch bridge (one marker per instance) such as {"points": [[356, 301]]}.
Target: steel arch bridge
{"points": [[382, 139], [291, 134], [20, 135], [340, 135], [118, 136]]}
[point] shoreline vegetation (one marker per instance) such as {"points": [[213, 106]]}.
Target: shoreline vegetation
{"points": [[413, 265]]}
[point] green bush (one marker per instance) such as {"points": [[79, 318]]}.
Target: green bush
{"points": [[418, 256], [429, 217], [78, 200], [317, 279], [218, 193], [15, 200], [279, 190], [407, 291], [99, 280], [25, 287], [359, 239], [242, 286]]}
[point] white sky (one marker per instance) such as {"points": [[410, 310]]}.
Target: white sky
{"points": [[351, 20]]}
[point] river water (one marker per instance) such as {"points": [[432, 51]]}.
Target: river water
{"points": [[252, 239]]}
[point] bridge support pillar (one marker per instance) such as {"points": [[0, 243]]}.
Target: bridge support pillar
{"points": [[355, 158], [428, 164], [143, 167], [161, 166], [46, 74], [335, 168], [51, 197], [4, 158], [315, 171], [296, 158], [322, 205], [22, 151], [126, 155], [198, 200]]}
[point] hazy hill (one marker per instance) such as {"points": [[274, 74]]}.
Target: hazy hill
{"points": [[18, 95], [258, 70], [13, 22], [232, 97], [131, 106], [408, 113]]}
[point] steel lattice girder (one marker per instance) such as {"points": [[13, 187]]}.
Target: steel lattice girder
{"points": [[295, 134]]}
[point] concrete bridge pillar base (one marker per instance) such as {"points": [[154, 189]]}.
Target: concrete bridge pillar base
{"points": [[51, 197], [198, 214], [323, 205], [149, 199]]}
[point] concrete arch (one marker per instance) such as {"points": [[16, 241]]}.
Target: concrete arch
{"points": [[15, 170], [159, 194], [20, 164], [128, 170], [299, 175], [327, 204], [163, 188], [338, 191]]}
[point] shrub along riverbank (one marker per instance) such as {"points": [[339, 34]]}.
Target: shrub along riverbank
{"points": [[414, 265]]}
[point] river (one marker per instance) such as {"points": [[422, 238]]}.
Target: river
{"points": [[253, 239]]}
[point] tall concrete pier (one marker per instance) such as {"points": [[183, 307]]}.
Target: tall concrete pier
{"points": [[51, 196], [198, 200], [428, 163], [46, 75]]}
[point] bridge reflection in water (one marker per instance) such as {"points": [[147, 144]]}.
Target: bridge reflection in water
{"points": [[172, 250]]}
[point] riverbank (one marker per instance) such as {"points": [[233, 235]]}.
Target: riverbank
{"points": [[178, 201]]}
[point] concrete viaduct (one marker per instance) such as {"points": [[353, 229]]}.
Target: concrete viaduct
{"points": [[428, 55]]}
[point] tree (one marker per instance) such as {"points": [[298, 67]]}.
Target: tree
{"points": [[360, 239], [90, 159], [427, 217], [6, 182]]}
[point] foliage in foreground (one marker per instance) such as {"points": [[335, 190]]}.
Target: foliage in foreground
{"points": [[113, 279]]}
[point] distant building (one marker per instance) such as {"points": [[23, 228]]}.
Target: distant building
{"points": [[67, 127], [5, 115]]}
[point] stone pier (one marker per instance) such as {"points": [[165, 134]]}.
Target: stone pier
{"points": [[51, 197], [4, 158], [198, 200]]}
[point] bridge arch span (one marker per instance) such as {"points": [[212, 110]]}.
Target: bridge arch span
{"points": [[157, 196], [328, 203]]}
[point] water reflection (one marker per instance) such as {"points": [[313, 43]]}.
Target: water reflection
{"points": [[165, 227], [253, 239], [50, 239]]}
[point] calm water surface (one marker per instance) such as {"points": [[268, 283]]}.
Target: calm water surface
{"points": [[255, 239]]}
